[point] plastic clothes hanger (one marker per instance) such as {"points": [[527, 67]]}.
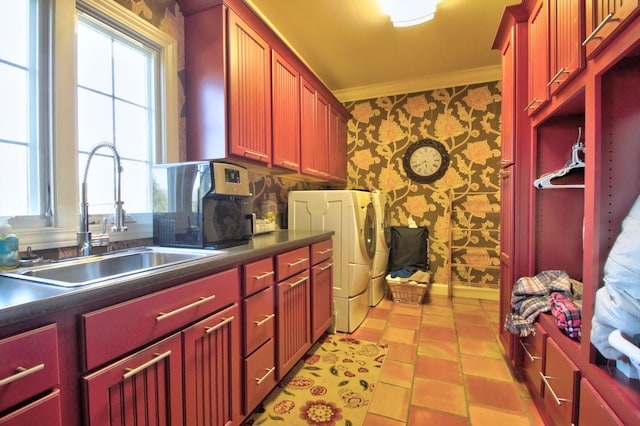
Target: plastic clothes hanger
{"points": [[545, 181]]}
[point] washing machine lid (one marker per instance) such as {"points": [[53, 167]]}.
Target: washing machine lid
{"points": [[370, 231]]}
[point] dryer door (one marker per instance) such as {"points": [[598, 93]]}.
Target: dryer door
{"points": [[370, 231]]}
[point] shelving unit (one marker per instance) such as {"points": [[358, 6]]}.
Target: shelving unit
{"points": [[571, 229]]}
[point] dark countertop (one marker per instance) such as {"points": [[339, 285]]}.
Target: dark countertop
{"points": [[22, 300]]}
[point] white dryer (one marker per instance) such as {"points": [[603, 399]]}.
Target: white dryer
{"points": [[351, 216], [383, 240]]}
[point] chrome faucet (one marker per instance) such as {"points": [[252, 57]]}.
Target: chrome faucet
{"points": [[85, 240]]}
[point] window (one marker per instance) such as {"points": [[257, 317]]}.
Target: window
{"points": [[112, 80], [19, 186]]}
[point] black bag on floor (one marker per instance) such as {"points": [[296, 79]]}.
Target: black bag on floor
{"points": [[409, 248]]}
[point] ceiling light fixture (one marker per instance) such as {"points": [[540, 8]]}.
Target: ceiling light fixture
{"points": [[404, 13]]}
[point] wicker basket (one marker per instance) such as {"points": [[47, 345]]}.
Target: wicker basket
{"points": [[407, 292]]}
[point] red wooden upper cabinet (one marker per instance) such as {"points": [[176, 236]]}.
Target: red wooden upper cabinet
{"points": [[566, 36], [286, 113], [604, 18], [538, 56], [228, 85], [249, 59], [314, 139], [337, 145]]}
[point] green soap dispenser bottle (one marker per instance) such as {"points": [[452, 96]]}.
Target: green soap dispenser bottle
{"points": [[9, 258]]}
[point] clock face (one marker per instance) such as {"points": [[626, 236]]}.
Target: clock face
{"points": [[426, 161]]}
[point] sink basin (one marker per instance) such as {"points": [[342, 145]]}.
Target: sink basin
{"points": [[82, 271]]}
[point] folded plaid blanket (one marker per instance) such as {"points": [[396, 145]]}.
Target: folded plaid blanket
{"points": [[568, 316]]}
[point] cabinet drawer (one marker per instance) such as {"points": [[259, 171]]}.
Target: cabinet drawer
{"points": [[561, 385], [321, 251], [25, 371], [42, 412], [259, 319], [115, 330], [258, 275], [260, 375], [534, 349], [292, 262], [594, 411]]}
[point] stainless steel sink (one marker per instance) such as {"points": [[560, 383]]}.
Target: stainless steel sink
{"points": [[80, 271]]}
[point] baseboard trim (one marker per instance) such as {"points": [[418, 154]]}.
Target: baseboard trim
{"points": [[438, 289]]}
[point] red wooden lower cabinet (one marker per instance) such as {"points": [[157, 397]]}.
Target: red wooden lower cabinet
{"points": [[212, 383], [321, 298], [594, 411], [260, 375], [294, 336], [533, 347], [560, 380], [146, 385], [42, 412]]}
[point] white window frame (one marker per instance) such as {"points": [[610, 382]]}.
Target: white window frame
{"points": [[63, 111]]}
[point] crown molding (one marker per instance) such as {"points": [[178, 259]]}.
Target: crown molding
{"points": [[437, 81]]}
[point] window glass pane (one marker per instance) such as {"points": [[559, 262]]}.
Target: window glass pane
{"points": [[14, 26], [122, 117], [132, 131], [95, 119], [130, 73], [13, 163], [14, 103], [94, 59]]}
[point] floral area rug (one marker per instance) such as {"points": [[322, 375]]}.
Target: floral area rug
{"points": [[331, 385]]}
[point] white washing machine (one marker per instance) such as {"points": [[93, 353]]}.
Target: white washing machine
{"points": [[351, 216], [381, 206]]}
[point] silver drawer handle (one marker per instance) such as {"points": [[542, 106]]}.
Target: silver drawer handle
{"points": [[329, 250], [21, 372], [263, 276], [595, 32], [300, 281], [306, 259], [531, 357], [163, 315], [325, 267], [156, 358], [261, 379], [545, 379], [220, 324], [257, 154], [556, 77], [532, 103], [266, 318]]}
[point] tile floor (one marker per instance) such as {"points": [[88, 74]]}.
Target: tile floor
{"points": [[444, 366]]}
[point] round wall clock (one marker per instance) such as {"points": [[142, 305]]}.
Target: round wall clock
{"points": [[426, 161]]}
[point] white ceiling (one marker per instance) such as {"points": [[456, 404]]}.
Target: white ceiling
{"points": [[357, 53]]}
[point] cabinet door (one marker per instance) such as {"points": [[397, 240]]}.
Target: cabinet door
{"points": [[146, 385], [533, 347], [314, 113], [538, 56], [249, 105], [337, 145], [42, 412], [25, 372], [567, 30], [321, 298], [286, 114], [604, 18], [294, 337], [507, 211], [212, 361], [594, 411], [560, 378]]}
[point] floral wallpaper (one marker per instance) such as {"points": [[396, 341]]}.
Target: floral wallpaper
{"points": [[462, 209]]}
